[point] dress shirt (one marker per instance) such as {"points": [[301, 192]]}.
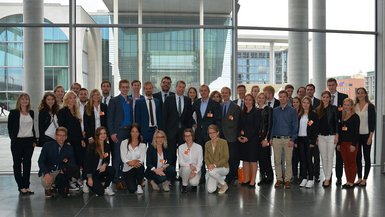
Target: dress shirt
{"points": [[271, 103], [106, 100], [335, 101], [81, 108], [128, 153], [51, 130], [181, 102], [97, 116], [164, 98], [203, 107], [285, 122], [153, 110], [26, 125], [192, 156]]}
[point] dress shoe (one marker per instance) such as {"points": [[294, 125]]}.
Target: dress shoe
{"points": [[261, 182], [339, 182], [194, 189], [346, 186], [287, 185], [245, 183], [278, 184], [251, 186], [183, 189]]}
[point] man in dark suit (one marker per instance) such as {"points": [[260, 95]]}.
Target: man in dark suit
{"points": [[177, 116], [208, 112], [310, 90], [54, 157], [135, 95], [230, 118], [119, 120], [270, 100], [148, 113], [290, 89], [337, 99], [241, 90], [165, 85], [301, 92]]}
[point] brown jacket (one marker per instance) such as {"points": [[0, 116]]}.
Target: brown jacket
{"points": [[220, 157]]}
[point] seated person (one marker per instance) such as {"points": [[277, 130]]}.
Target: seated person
{"points": [[99, 174], [216, 159], [190, 161], [160, 169], [56, 164], [133, 154]]}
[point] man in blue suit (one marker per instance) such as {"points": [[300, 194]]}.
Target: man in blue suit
{"points": [[147, 113], [54, 159], [119, 120]]}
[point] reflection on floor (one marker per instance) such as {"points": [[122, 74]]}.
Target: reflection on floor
{"points": [[238, 201]]}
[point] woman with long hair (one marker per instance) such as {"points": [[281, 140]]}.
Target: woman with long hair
{"points": [[367, 113], [308, 127], [216, 160], [99, 173], [23, 141], [349, 138], [266, 170], [95, 115], [48, 121], [133, 154], [328, 134], [249, 140], [216, 96], [192, 93], [160, 169], [296, 103], [59, 92], [69, 117]]}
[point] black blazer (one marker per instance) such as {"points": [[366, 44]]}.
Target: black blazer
{"points": [[171, 118], [249, 124], [158, 96], [50, 160], [316, 103], [14, 123], [312, 129], [266, 122], [333, 117], [72, 123], [45, 119], [152, 157], [92, 159], [371, 117], [89, 121], [212, 115]]}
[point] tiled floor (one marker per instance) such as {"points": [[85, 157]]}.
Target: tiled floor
{"points": [[238, 201]]}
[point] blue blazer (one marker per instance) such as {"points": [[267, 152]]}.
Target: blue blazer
{"points": [[116, 114], [152, 157], [50, 160], [142, 117]]}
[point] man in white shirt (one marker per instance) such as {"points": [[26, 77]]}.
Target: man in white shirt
{"points": [[106, 88], [83, 99]]}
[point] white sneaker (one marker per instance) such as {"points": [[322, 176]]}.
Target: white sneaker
{"points": [[73, 187], [223, 189], [310, 184], [303, 183], [108, 191], [139, 190], [85, 189], [79, 182]]}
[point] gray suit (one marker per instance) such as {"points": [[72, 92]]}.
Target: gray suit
{"points": [[230, 131]]}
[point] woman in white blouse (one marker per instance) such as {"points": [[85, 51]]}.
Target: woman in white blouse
{"points": [[190, 157], [133, 153]]}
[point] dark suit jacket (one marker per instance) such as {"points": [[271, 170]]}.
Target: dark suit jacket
{"points": [[230, 122], [276, 103], [236, 102], [312, 129], [72, 123], [212, 115], [89, 121], [50, 160], [45, 119], [14, 123], [266, 123], [341, 97], [152, 157], [143, 119], [158, 96], [171, 119], [92, 159], [115, 109], [316, 103]]}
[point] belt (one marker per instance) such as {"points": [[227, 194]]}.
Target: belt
{"points": [[281, 137]]}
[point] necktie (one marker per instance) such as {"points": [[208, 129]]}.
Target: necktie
{"points": [[242, 104], [165, 96], [269, 104], [105, 100], [179, 106], [152, 121], [224, 110], [333, 96]]}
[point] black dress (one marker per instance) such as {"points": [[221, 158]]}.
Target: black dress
{"points": [[249, 127]]}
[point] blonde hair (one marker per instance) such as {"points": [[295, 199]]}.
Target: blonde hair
{"points": [[75, 110], [90, 105], [352, 104], [18, 105], [154, 138]]}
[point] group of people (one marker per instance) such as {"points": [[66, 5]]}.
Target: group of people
{"points": [[149, 136]]}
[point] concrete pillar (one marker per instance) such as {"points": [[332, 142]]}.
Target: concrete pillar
{"points": [[298, 59], [115, 67], [140, 41], [272, 63], [201, 43], [33, 51], [319, 46]]}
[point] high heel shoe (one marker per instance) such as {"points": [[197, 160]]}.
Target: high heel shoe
{"points": [[245, 183]]}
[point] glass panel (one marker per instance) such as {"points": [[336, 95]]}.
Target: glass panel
{"points": [[3, 79], [48, 79], [56, 54], [9, 100], [128, 53], [61, 77], [172, 52], [14, 78]]}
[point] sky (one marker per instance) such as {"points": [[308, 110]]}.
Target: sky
{"points": [[346, 54]]}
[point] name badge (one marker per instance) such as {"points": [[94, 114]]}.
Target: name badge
{"points": [[231, 117], [210, 115], [340, 109], [187, 151], [344, 128], [162, 161], [101, 113]]}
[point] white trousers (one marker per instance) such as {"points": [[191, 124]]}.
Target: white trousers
{"points": [[326, 147], [215, 177], [185, 172]]}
